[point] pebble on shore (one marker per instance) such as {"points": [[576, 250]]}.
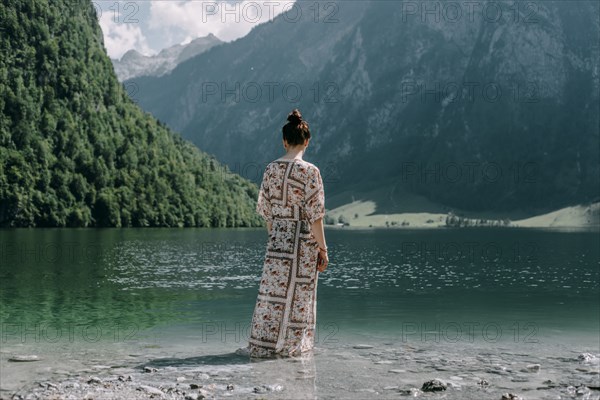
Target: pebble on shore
{"points": [[24, 358]]}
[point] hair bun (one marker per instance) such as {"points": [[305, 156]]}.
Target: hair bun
{"points": [[295, 117]]}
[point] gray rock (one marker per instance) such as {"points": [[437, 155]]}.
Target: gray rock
{"points": [[587, 357], [582, 390], [151, 390], [267, 388], [24, 358], [149, 369], [94, 379], [533, 368], [510, 396], [483, 383], [434, 385], [195, 386], [260, 389]]}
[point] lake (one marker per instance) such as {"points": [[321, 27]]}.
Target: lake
{"points": [[476, 307]]}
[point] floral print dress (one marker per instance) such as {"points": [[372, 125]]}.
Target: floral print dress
{"points": [[291, 197]]}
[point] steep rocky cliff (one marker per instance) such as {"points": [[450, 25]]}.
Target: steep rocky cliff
{"points": [[487, 107]]}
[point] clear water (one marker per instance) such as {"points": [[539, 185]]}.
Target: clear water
{"points": [[78, 298]]}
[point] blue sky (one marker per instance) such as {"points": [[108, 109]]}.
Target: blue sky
{"points": [[151, 25]]}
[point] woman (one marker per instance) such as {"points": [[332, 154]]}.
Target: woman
{"points": [[292, 201]]}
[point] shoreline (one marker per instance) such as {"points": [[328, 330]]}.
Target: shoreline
{"points": [[394, 369], [361, 215]]}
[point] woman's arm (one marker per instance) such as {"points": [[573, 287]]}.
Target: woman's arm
{"points": [[318, 232]]}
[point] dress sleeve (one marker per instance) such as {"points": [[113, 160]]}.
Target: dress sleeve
{"points": [[314, 196], [263, 205]]}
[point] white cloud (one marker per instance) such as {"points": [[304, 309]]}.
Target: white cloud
{"points": [[187, 40], [120, 37], [163, 23], [226, 20]]}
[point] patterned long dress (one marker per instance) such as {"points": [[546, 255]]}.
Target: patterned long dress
{"points": [[291, 197]]}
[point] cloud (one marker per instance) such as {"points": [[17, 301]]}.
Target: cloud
{"points": [[226, 20], [119, 37]]}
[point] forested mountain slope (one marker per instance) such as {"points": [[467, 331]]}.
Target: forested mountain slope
{"points": [[76, 151]]}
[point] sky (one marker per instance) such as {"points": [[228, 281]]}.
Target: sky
{"points": [[151, 25]]}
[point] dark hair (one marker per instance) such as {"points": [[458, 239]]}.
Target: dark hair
{"points": [[296, 130]]}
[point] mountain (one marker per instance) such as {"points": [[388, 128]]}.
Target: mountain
{"points": [[76, 151], [133, 64], [487, 108]]}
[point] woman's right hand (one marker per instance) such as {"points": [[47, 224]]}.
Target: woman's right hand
{"points": [[323, 260]]}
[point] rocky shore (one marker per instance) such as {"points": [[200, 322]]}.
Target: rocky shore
{"points": [[355, 371]]}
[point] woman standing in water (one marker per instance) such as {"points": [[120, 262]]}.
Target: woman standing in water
{"points": [[292, 201]]}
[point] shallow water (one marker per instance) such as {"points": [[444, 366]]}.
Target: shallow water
{"points": [[458, 304]]}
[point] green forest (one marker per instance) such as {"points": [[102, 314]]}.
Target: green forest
{"points": [[76, 151]]}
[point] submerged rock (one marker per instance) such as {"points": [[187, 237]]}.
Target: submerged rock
{"points": [[94, 379], [532, 368], [510, 396], [483, 383], [267, 388], [587, 357], [581, 390], [434, 385], [24, 358]]}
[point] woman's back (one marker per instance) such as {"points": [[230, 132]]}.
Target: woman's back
{"points": [[291, 189], [292, 201]]}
